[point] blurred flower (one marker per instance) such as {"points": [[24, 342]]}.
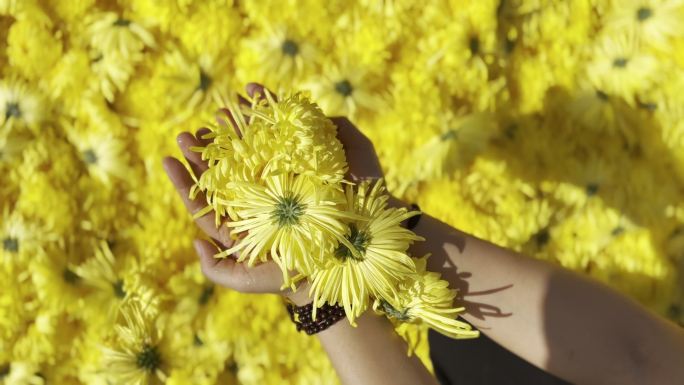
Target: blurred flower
{"points": [[654, 22], [619, 67], [344, 91], [136, 355], [279, 54], [20, 106]]}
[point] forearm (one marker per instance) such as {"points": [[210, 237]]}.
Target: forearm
{"points": [[562, 322], [372, 353]]}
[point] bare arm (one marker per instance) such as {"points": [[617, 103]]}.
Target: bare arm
{"points": [[370, 353], [562, 322]]}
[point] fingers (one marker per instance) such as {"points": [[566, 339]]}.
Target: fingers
{"points": [[262, 278], [200, 136], [180, 177], [186, 141], [224, 118]]}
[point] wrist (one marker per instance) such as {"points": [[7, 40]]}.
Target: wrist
{"points": [[397, 203], [300, 296]]}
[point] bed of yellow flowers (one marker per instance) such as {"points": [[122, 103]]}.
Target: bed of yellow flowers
{"points": [[555, 128]]}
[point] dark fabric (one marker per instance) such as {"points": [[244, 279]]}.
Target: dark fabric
{"points": [[481, 361]]}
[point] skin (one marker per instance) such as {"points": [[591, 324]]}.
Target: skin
{"points": [[564, 323]]}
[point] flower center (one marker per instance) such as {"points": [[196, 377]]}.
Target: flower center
{"points": [[12, 110], [290, 48], [393, 312], [451, 134], [10, 244], [197, 341], [592, 189], [344, 88], [149, 358], [474, 45], [359, 239], [620, 62], [121, 22], [601, 95], [70, 277], [204, 81], [206, 295], [644, 13], [542, 237], [288, 210], [89, 156], [119, 291]]}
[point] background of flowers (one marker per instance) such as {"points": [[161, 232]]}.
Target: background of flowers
{"points": [[554, 128]]}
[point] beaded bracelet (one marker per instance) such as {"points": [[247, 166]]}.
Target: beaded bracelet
{"points": [[326, 316], [412, 222]]}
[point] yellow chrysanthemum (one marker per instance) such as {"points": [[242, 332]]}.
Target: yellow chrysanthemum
{"points": [[104, 155], [136, 355], [32, 47], [289, 216], [195, 84], [458, 143], [279, 54], [110, 32], [11, 146], [597, 111], [343, 91], [374, 258], [654, 22], [103, 273], [116, 46], [20, 106], [23, 373], [307, 141], [21, 239], [620, 68], [290, 135], [426, 299]]}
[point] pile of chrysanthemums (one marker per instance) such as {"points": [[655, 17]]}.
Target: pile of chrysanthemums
{"points": [[553, 128]]}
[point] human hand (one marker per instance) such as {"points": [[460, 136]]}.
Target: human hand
{"points": [[261, 278], [264, 277]]}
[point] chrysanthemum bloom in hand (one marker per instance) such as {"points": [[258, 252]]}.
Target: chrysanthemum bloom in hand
{"points": [[427, 299], [375, 262], [290, 135], [291, 217]]}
